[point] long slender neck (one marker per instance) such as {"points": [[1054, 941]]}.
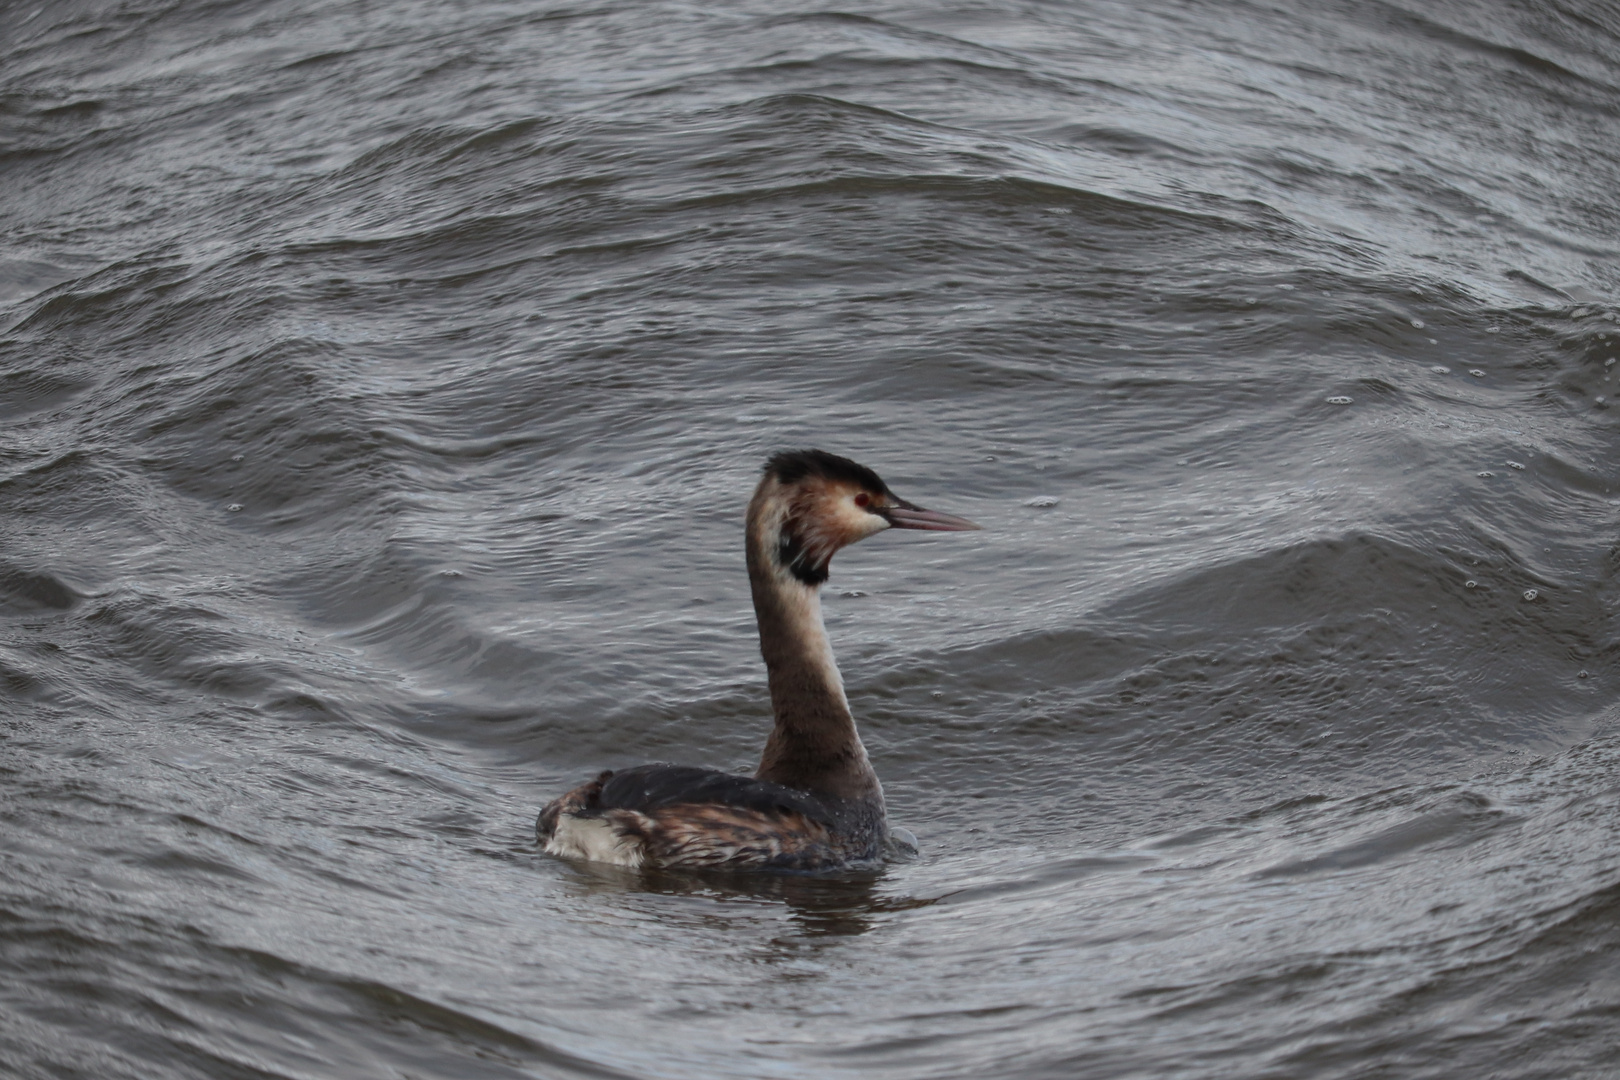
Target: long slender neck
{"points": [[814, 745]]}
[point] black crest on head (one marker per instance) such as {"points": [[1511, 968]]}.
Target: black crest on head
{"points": [[791, 466]]}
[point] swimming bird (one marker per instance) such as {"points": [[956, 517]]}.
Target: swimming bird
{"points": [[815, 802]]}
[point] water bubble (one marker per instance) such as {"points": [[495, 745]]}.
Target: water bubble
{"points": [[1493, 329], [234, 507], [1433, 342], [1470, 584], [1487, 474], [1476, 372], [749, 418], [449, 573], [941, 693], [1042, 501], [238, 457], [1515, 464], [1252, 300], [1286, 288], [1530, 594], [1607, 363], [1338, 399], [1440, 369], [1417, 324]]}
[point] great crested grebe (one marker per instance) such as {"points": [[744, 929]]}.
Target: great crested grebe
{"points": [[814, 803]]}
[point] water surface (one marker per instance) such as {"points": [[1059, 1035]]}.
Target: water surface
{"points": [[381, 386]]}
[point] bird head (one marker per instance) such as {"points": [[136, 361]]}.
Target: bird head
{"points": [[816, 503]]}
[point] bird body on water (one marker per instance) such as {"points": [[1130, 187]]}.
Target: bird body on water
{"points": [[815, 802]]}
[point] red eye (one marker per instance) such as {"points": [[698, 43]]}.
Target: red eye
{"points": [[862, 498]]}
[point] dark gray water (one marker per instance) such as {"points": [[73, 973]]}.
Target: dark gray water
{"points": [[381, 386]]}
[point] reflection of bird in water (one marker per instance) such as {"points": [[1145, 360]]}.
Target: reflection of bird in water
{"points": [[814, 803], [845, 904]]}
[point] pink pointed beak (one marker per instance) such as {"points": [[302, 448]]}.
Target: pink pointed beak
{"points": [[903, 515]]}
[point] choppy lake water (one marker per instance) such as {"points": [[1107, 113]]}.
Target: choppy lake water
{"points": [[381, 385]]}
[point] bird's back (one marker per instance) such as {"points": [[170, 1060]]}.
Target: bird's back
{"points": [[679, 815]]}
